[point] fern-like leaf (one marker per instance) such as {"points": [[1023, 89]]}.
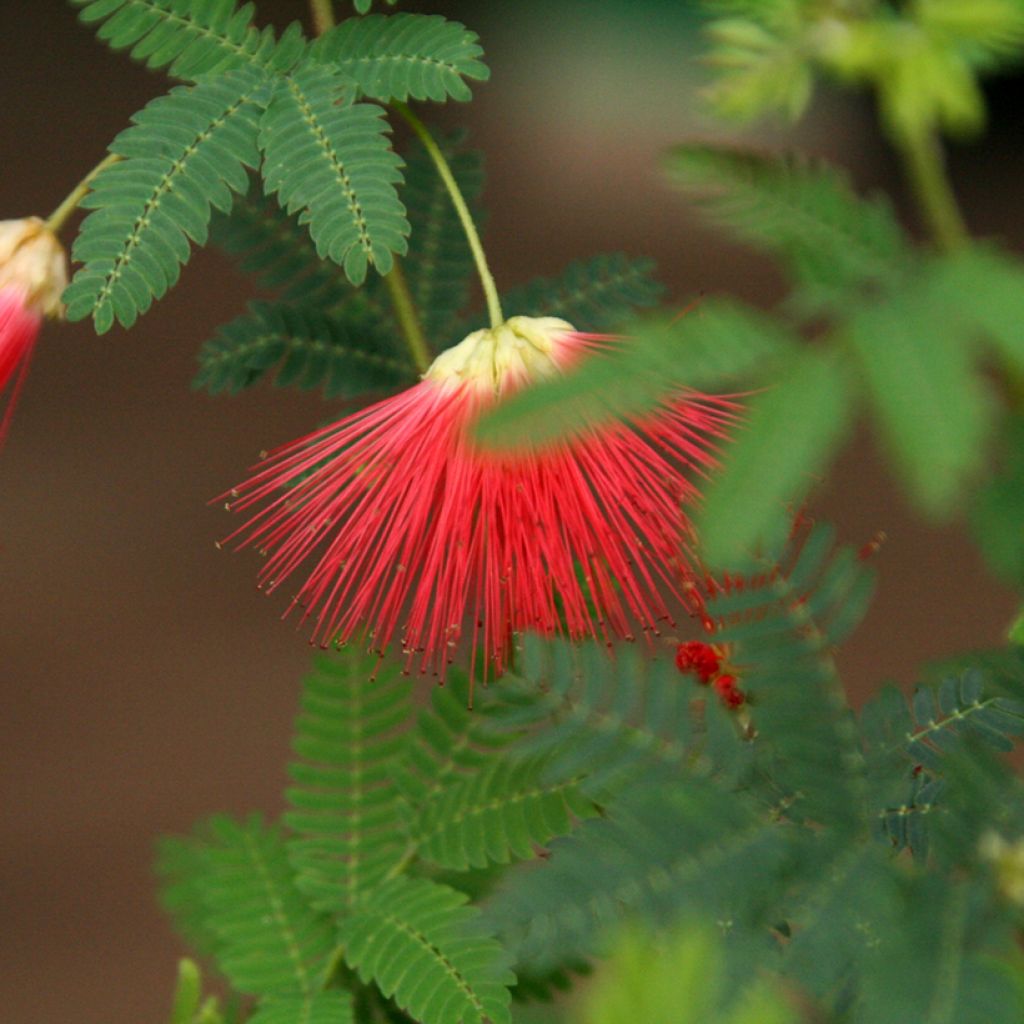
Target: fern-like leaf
{"points": [[584, 720], [805, 213], [344, 808], [503, 811], [417, 942], [330, 158], [269, 941], [397, 56], [593, 295], [186, 151], [344, 355], [191, 37], [450, 741], [783, 631]]}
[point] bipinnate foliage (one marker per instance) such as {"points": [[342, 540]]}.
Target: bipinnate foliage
{"points": [[346, 887], [844, 856], [293, 110]]}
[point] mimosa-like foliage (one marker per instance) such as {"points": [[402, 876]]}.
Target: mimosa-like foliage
{"points": [[732, 844]]}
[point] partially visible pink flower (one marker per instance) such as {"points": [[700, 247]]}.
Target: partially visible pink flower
{"points": [[33, 275], [416, 536]]}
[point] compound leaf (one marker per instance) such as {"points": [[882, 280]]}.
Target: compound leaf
{"points": [[330, 158], [398, 56], [187, 150], [418, 942]]}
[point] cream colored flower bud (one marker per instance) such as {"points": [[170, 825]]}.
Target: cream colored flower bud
{"points": [[33, 262], [521, 350]]}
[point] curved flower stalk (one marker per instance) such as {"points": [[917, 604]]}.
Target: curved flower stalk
{"points": [[33, 275], [413, 531]]}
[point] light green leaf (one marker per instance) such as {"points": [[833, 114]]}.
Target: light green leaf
{"points": [[932, 408], [721, 342], [789, 433], [805, 213], [187, 993]]}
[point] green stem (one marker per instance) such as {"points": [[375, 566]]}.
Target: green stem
{"points": [[323, 15], [57, 219], [925, 167], [405, 311], [461, 209]]}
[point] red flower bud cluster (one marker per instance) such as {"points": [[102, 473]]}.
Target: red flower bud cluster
{"points": [[705, 662]]}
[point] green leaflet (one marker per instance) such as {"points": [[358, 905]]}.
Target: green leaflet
{"points": [[933, 408], [344, 808], [186, 151], [330, 158], [719, 342], [831, 241], [345, 354], [788, 434], [192, 37], [398, 56], [419, 943]]}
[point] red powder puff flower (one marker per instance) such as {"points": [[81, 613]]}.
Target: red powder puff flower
{"points": [[700, 658], [412, 531], [33, 275]]}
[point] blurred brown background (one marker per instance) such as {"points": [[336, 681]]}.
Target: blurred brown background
{"points": [[144, 681]]}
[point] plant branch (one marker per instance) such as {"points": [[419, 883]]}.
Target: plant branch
{"points": [[405, 312], [925, 167], [57, 219], [461, 209], [322, 12]]}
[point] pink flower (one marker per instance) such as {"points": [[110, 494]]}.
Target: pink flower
{"points": [[413, 532], [33, 275]]}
